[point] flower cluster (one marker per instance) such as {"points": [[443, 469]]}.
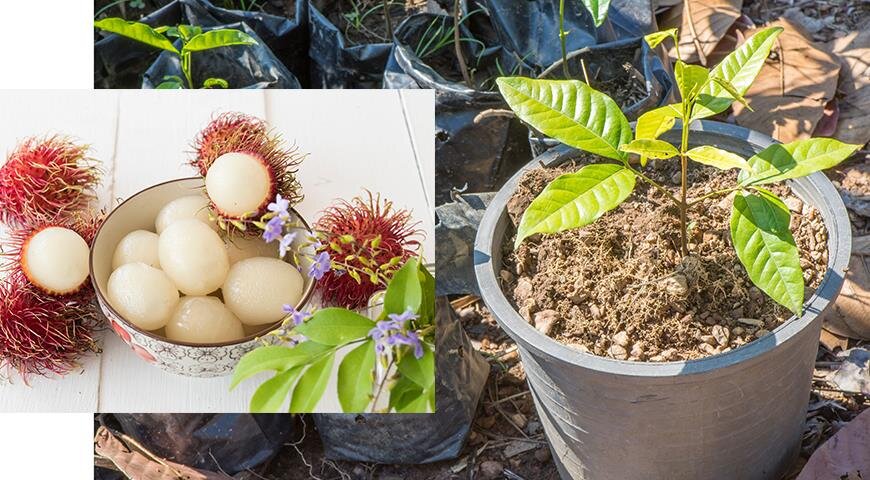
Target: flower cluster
{"points": [[280, 228], [394, 332]]}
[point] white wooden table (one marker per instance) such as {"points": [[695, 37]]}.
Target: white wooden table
{"points": [[381, 140]]}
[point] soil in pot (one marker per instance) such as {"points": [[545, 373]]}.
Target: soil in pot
{"points": [[618, 76], [619, 288], [373, 26]]}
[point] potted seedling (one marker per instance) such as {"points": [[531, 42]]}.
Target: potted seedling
{"points": [[667, 311]]}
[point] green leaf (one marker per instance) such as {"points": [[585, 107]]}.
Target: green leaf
{"points": [[169, 85], [137, 31], [650, 148], [654, 39], [422, 371], [311, 386], [598, 9], [576, 199], [355, 378], [569, 111], [215, 82], [656, 122], [427, 304], [766, 248], [408, 397], [732, 90], [276, 358], [716, 157], [739, 68], [335, 326], [795, 159], [690, 79], [273, 392], [189, 31], [218, 38], [404, 290]]}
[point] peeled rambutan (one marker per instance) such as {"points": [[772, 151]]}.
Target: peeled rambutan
{"points": [[42, 335], [245, 165], [46, 177], [350, 229]]}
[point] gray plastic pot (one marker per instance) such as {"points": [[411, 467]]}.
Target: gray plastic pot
{"points": [[737, 415]]}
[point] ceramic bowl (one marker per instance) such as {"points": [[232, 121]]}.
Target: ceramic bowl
{"points": [[196, 360]]}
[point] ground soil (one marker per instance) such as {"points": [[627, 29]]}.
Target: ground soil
{"points": [[619, 288], [374, 26]]}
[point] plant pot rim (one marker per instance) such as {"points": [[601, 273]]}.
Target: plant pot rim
{"points": [[104, 300], [540, 345]]}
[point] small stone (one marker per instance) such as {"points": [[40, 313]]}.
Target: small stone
{"points": [[621, 339], [523, 289], [506, 276], [475, 438], [656, 358], [722, 335], [594, 311], [486, 422], [491, 470], [544, 321], [737, 312], [676, 285], [618, 352], [542, 454], [359, 471], [756, 295], [637, 350], [709, 349], [668, 354], [519, 419], [709, 340], [794, 204], [533, 427], [751, 321], [761, 332], [737, 331], [468, 314]]}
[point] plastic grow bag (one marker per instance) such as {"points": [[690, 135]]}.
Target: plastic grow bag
{"points": [[226, 442], [477, 155], [120, 62], [460, 374], [242, 66]]}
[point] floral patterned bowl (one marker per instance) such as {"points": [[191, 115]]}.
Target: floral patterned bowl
{"points": [[196, 360]]}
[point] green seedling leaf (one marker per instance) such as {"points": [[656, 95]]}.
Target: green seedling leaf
{"points": [[739, 68], [137, 31], [427, 303], [576, 199], [732, 91], [654, 39], [718, 158], [170, 84], [795, 159], [408, 397], [218, 38], [275, 358], [766, 248], [404, 291], [569, 111], [189, 31], [422, 371], [273, 392], [656, 122], [215, 82], [311, 386], [335, 326], [644, 147], [690, 79], [355, 378], [598, 9]]}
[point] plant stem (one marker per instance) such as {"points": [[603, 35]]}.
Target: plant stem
{"points": [[562, 36], [457, 20], [684, 161], [724, 191], [381, 385], [654, 184], [387, 19], [185, 67]]}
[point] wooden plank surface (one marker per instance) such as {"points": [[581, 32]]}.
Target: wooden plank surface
{"points": [[355, 140]]}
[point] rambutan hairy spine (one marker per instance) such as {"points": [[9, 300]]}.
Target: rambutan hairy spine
{"points": [[46, 177]]}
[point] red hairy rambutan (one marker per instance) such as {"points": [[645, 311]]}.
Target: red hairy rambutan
{"points": [[46, 177], [363, 220], [242, 133], [41, 335]]}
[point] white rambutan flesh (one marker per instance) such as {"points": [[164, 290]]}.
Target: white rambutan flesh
{"points": [[139, 246], [183, 208], [143, 295], [203, 320], [239, 184], [256, 289], [55, 260], [194, 257]]}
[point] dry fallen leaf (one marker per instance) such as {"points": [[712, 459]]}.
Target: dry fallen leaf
{"points": [[844, 455], [851, 313], [711, 19], [788, 107], [853, 52]]}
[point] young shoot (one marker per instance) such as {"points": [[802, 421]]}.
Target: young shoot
{"points": [[579, 116], [362, 9], [193, 39]]}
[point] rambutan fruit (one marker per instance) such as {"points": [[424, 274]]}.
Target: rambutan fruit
{"points": [[363, 235], [46, 177], [245, 165], [42, 335], [53, 255]]}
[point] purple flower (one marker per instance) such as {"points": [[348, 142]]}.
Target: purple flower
{"points": [[280, 206], [285, 244], [298, 316], [274, 229], [389, 333], [321, 265], [400, 319], [411, 339]]}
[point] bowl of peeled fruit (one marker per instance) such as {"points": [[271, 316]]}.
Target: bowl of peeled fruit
{"points": [[185, 294]]}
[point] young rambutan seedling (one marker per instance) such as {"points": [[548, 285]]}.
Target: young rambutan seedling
{"points": [[46, 177], [367, 237], [42, 335], [245, 165]]}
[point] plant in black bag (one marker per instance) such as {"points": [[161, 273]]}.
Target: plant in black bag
{"points": [[193, 39]]}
